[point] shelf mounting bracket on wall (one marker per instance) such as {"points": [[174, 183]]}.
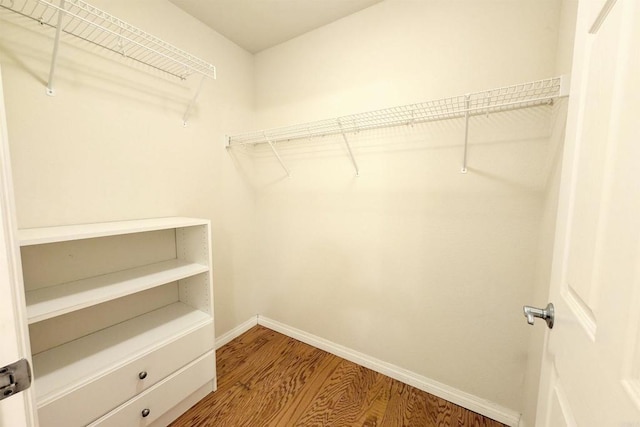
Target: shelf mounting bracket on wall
{"points": [[277, 156], [467, 101], [346, 141], [54, 56], [187, 113]]}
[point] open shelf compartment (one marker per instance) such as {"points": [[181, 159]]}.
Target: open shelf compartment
{"points": [[53, 301]]}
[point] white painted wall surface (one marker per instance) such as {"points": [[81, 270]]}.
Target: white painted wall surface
{"points": [[111, 146], [412, 263], [404, 51]]}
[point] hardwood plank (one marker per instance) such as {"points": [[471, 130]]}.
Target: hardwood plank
{"points": [[268, 379], [375, 402], [257, 364], [472, 419], [420, 414], [398, 410], [439, 412], [267, 393], [301, 399], [236, 352], [336, 402]]}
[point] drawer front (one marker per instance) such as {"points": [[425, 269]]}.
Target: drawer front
{"points": [[162, 396], [91, 401]]}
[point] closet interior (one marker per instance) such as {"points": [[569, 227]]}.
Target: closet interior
{"points": [[123, 212]]}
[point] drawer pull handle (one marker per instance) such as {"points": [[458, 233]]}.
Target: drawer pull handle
{"points": [[142, 375], [145, 412]]}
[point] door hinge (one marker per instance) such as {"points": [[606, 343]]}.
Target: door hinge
{"points": [[14, 378]]}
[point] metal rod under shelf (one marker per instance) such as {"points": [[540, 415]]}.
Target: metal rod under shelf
{"points": [[466, 133], [54, 55], [275, 153]]}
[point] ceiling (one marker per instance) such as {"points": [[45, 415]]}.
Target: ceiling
{"points": [[256, 25]]}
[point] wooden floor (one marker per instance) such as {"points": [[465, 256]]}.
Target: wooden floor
{"points": [[268, 379]]}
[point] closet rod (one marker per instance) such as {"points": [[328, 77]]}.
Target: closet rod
{"points": [[524, 95]]}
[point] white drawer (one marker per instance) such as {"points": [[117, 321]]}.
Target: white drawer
{"points": [[162, 396], [90, 401]]}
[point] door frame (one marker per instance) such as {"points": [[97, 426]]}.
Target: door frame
{"points": [[19, 409]]}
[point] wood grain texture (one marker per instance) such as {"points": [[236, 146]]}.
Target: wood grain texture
{"points": [[268, 379]]}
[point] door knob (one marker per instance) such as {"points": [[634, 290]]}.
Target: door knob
{"points": [[547, 314]]}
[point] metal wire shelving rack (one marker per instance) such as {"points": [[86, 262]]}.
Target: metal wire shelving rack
{"points": [[524, 95], [86, 22]]}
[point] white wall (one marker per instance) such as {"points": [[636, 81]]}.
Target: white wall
{"points": [[110, 145], [412, 263], [404, 51]]}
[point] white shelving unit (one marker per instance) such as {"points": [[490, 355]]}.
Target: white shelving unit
{"points": [[121, 368], [524, 95], [88, 23]]}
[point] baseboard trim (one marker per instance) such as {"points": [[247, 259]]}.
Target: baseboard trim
{"points": [[236, 332], [466, 400]]}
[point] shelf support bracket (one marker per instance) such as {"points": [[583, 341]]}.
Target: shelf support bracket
{"points": [[192, 103], [346, 141], [54, 57], [467, 104], [278, 157]]}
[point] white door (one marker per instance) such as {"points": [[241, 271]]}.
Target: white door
{"points": [[591, 367], [17, 410]]}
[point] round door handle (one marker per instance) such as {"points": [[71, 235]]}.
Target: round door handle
{"points": [[142, 375], [145, 412]]}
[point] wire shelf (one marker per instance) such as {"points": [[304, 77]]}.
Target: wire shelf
{"points": [[86, 22], [523, 95]]}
